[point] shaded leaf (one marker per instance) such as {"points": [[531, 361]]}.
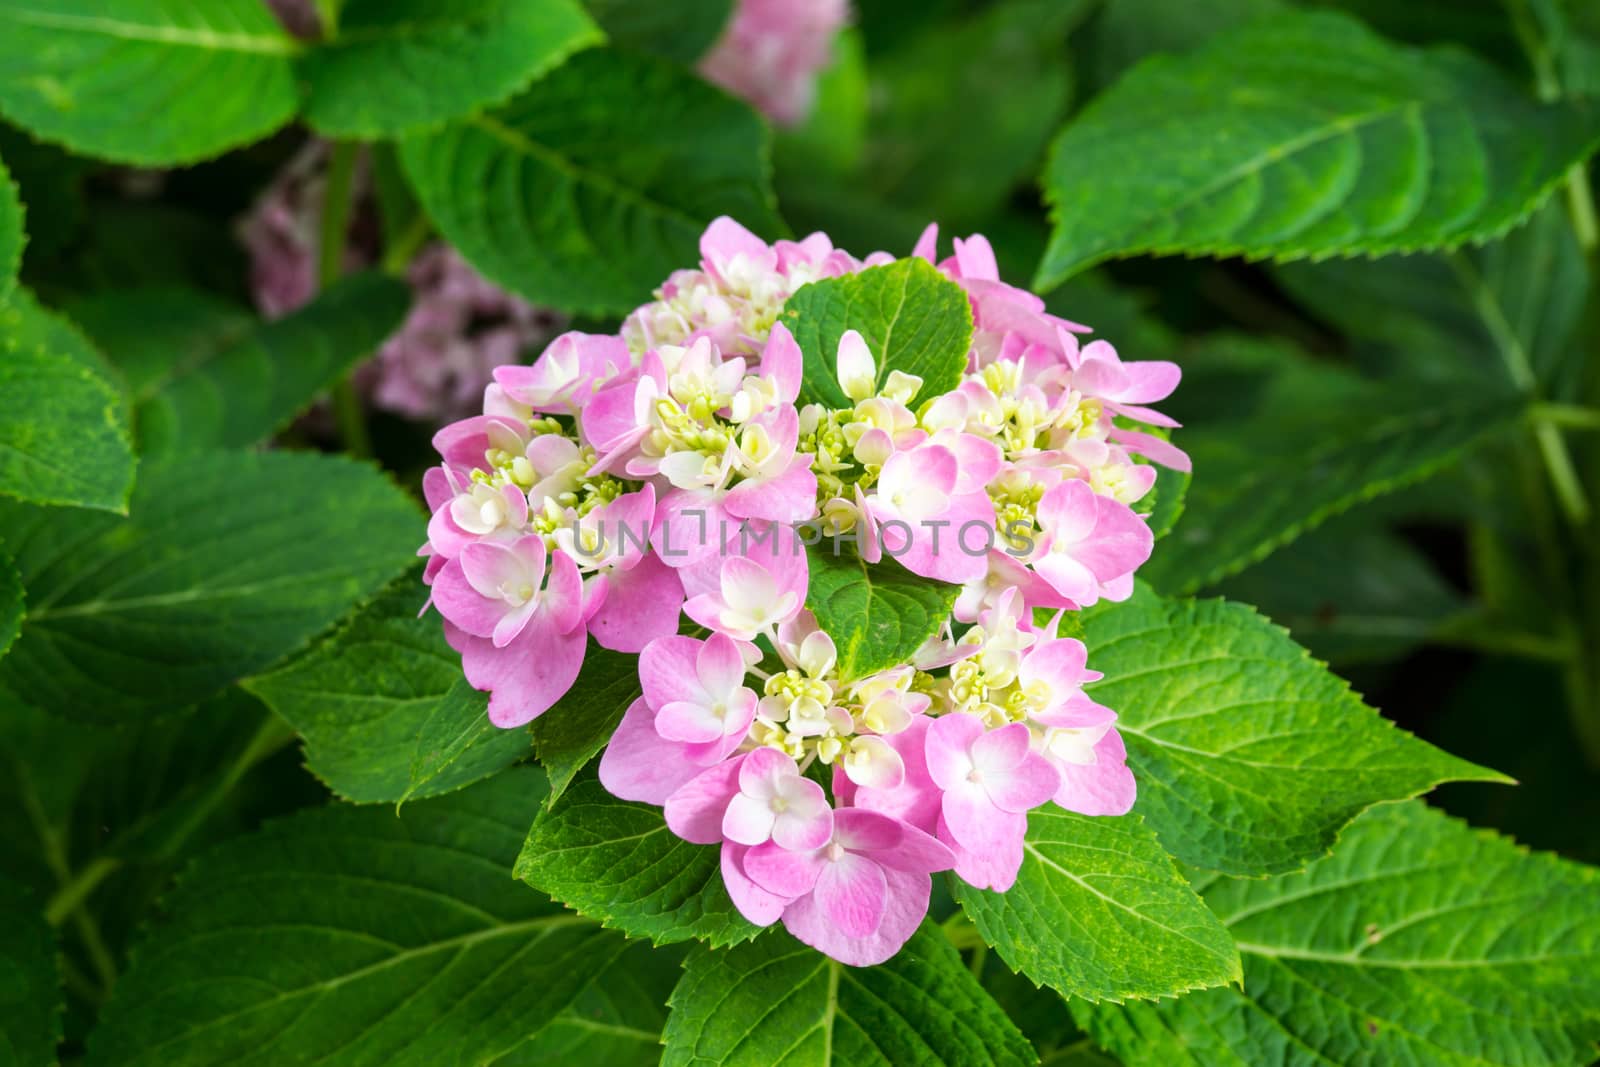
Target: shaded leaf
{"points": [[576, 729], [12, 601], [11, 235], [616, 1021], [30, 982], [877, 615], [683, 31]]}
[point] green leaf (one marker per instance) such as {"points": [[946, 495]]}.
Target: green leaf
{"points": [[913, 319], [587, 190], [12, 602], [1250, 755], [833, 137], [12, 237], [617, 863], [616, 1021], [1303, 135], [574, 731], [1100, 912], [227, 563], [258, 385], [475, 53], [383, 707], [63, 432], [683, 31], [1126, 31], [30, 983], [357, 936], [776, 1001], [1418, 941], [1306, 455], [151, 82], [1351, 592], [877, 615]]}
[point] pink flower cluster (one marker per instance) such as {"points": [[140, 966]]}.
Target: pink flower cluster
{"points": [[771, 52], [622, 482], [460, 326]]}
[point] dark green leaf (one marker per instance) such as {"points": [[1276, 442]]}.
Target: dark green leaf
{"points": [[12, 602], [11, 235], [573, 732], [586, 191], [30, 983], [682, 31], [63, 430], [359, 936], [776, 1001], [152, 82], [471, 54], [240, 395], [616, 1021], [878, 615], [153, 333], [1418, 941], [1303, 135], [617, 862], [227, 563], [1250, 756], [383, 707], [1100, 912], [913, 319]]}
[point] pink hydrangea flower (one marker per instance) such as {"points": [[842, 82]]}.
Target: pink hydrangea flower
{"points": [[772, 52]]}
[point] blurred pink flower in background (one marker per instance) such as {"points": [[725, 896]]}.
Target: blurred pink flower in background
{"points": [[460, 327], [772, 52], [299, 17]]}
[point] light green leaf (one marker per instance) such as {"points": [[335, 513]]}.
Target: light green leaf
{"points": [[469, 54], [383, 707], [576, 729], [151, 82], [358, 936], [1303, 135], [227, 563], [1100, 912], [30, 983], [1250, 755], [63, 431], [1322, 442], [776, 1001], [877, 615], [1351, 592], [683, 31], [1418, 941], [913, 319], [12, 601], [616, 1021], [587, 190], [11, 233], [617, 863], [243, 393]]}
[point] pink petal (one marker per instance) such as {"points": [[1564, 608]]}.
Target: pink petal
{"points": [[866, 831], [781, 872], [906, 905], [976, 257], [462, 605], [490, 566], [928, 244], [1159, 451], [720, 666], [527, 676], [791, 497], [1105, 787], [1025, 786], [780, 362], [996, 863], [724, 239], [916, 800], [853, 893], [562, 599], [754, 903], [641, 604], [1000, 750], [748, 819], [800, 830], [1067, 512], [667, 671], [918, 852], [694, 810], [948, 745], [971, 817], [1150, 381], [689, 721], [1058, 664], [639, 764]]}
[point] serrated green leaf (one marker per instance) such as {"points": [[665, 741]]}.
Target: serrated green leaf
{"points": [[1250, 755], [1303, 135], [1418, 941], [617, 863], [576, 729], [11, 233], [1314, 445], [913, 319], [682, 31], [30, 983], [777, 1001], [383, 707], [243, 393], [1099, 911], [360, 935], [12, 602], [151, 82], [63, 430], [472, 53], [877, 615], [587, 190], [154, 612]]}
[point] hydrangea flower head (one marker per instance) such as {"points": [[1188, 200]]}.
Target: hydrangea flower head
{"points": [[624, 487]]}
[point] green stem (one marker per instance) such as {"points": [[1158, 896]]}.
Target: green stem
{"points": [[336, 208], [272, 735], [328, 16], [1567, 416], [55, 856], [980, 953], [398, 256], [66, 900]]}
